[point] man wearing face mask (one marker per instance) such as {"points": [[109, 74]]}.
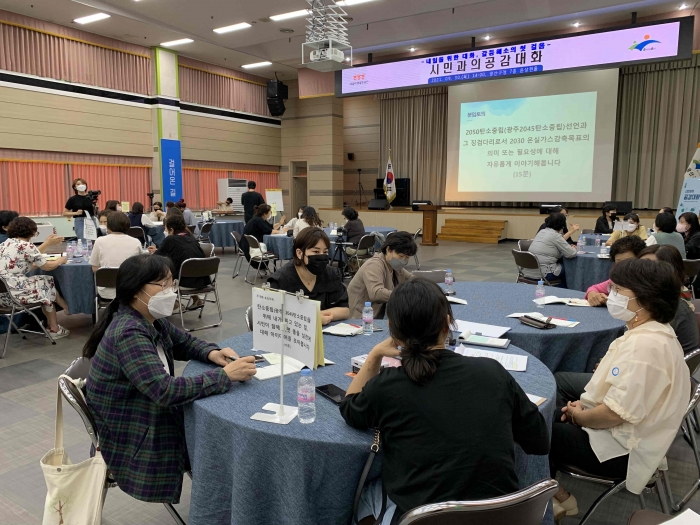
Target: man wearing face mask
{"points": [[606, 222], [311, 274], [379, 275]]}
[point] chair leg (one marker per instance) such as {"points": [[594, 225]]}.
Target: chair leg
{"points": [[415, 258], [642, 502], [247, 271], [665, 497], [696, 484], [174, 514], [694, 420], [46, 332], [605, 495], [182, 316]]}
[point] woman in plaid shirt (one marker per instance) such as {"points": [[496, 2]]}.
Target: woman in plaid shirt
{"points": [[131, 389]]}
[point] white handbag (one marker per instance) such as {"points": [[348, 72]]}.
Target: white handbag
{"points": [[75, 492], [255, 252]]}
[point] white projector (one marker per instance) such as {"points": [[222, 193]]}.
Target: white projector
{"points": [[318, 55]]}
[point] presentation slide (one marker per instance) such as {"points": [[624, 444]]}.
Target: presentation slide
{"points": [[533, 139]]}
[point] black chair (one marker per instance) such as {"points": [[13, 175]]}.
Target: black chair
{"points": [[525, 507], [647, 517], [249, 318], [587, 232], [137, 233], [239, 252], [692, 268], [528, 261], [17, 308], [204, 232], [192, 268], [78, 370], [366, 244], [105, 278], [207, 248], [263, 259], [419, 231]]}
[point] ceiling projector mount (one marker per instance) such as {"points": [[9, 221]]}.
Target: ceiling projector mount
{"points": [[327, 47]]}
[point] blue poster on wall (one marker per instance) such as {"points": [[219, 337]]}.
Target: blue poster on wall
{"points": [[690, 197], [171, 169]]}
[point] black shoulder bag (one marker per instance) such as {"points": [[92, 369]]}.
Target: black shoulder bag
{"points": [[363, 478]]}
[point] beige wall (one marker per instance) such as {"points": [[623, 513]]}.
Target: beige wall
{"points": [[361, 137], [46, 122], [217, 140], [312, 131]]}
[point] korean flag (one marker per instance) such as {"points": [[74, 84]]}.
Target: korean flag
{"points": [[389, 183]]}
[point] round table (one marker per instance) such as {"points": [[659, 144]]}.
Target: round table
{"points": [[220, 234], [587, 269], [248, 472], [76, 284], [282, 245], [561, 349]]}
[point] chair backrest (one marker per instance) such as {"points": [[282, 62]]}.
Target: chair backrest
{"points": [[206, 228], [525, 507], [137, 233], [419, 231], [106, 277], [199, 267], [3, 286], [587, 232], [249, 318], [79, 369], [694, 397], [526, 260], [236, 237], [207, 248], [366, 243], [693, 358], [252, 242], [524, 245], [692, 267], [434, 276]]}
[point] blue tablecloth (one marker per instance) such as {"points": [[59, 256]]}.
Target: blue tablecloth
{"points": [[250, 473], [220, 234], [585, 270], [282, 246], [76, 283], [562, 349]]}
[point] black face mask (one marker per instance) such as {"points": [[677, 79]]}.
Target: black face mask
{"points": [[613, 217], [317, 263]]}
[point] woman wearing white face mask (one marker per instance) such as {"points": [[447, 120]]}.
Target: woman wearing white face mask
{"points": [[77, 205], [379, 275], [624, 420], [132, 390], [290, 225], [631, 227]]}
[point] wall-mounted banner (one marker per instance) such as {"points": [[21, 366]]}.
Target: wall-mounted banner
{"points": [[608, 48], [690, 197], [171, 169], [693, 170]]}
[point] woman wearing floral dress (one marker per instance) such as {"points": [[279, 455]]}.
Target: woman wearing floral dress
{"points": [[17, 258]]}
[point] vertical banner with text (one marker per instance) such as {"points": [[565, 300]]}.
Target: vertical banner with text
{"points": [[171, 169], [690, 197]]}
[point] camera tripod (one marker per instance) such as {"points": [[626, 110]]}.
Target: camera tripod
{"points": [[359, 189]]}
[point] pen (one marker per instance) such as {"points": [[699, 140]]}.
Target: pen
{"points": [[564, 319], [355, 325]]}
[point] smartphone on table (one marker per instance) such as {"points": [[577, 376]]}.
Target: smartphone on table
{"points": [[332, 392]]}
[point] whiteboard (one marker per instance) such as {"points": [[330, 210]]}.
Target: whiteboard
{"points": [[274, 196]]}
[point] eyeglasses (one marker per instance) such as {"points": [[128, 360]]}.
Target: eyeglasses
{"points": [[164, 286]]}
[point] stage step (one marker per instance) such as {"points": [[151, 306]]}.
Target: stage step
{"points": [[464, 230]]}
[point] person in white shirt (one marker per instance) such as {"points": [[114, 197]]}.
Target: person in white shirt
{"points": [[157, 215], [309, 217], [292, 222], [631, 409], [113, 249]]}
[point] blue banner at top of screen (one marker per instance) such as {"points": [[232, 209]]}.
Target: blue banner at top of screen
{"points": [[487, 74]]}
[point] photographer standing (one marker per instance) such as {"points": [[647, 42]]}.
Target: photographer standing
{"points": [[77, 205]]}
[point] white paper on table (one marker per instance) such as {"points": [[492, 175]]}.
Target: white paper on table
{"points": [[343, 329], [487, 330], [516, 363], [556, 322], [455, 300], [579, 302], [603, 256], [687, 517], [551, 299], [276, 359], [334, 232], [269, 372], [536, 399]]}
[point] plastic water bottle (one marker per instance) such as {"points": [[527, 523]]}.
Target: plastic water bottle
{"points": [[306, 397], [579, 243], [88, 250], [367, 319], [449, 279], [540, 293], [78, 253], [597, 242], [69, 251]]}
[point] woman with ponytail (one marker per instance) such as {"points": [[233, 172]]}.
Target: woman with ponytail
{"points": [[448, 423], [132, 390]]}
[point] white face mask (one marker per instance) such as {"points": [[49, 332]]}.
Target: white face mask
{"points": [[161, 304], [299, 214], [81, 187], [119, 208], [630, 227], [103, 229], [617, 306]]}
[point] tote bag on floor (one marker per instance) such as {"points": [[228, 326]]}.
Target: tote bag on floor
{"points": [[75, 492]]}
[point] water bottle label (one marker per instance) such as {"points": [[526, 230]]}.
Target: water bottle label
{"points": [[306, 397], [367, 318]]}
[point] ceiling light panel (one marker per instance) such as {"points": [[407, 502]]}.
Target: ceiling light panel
{"points": [[91, 18], [234, 27], [351, 2], [256, 64], [293, 14], [177, 42]]}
